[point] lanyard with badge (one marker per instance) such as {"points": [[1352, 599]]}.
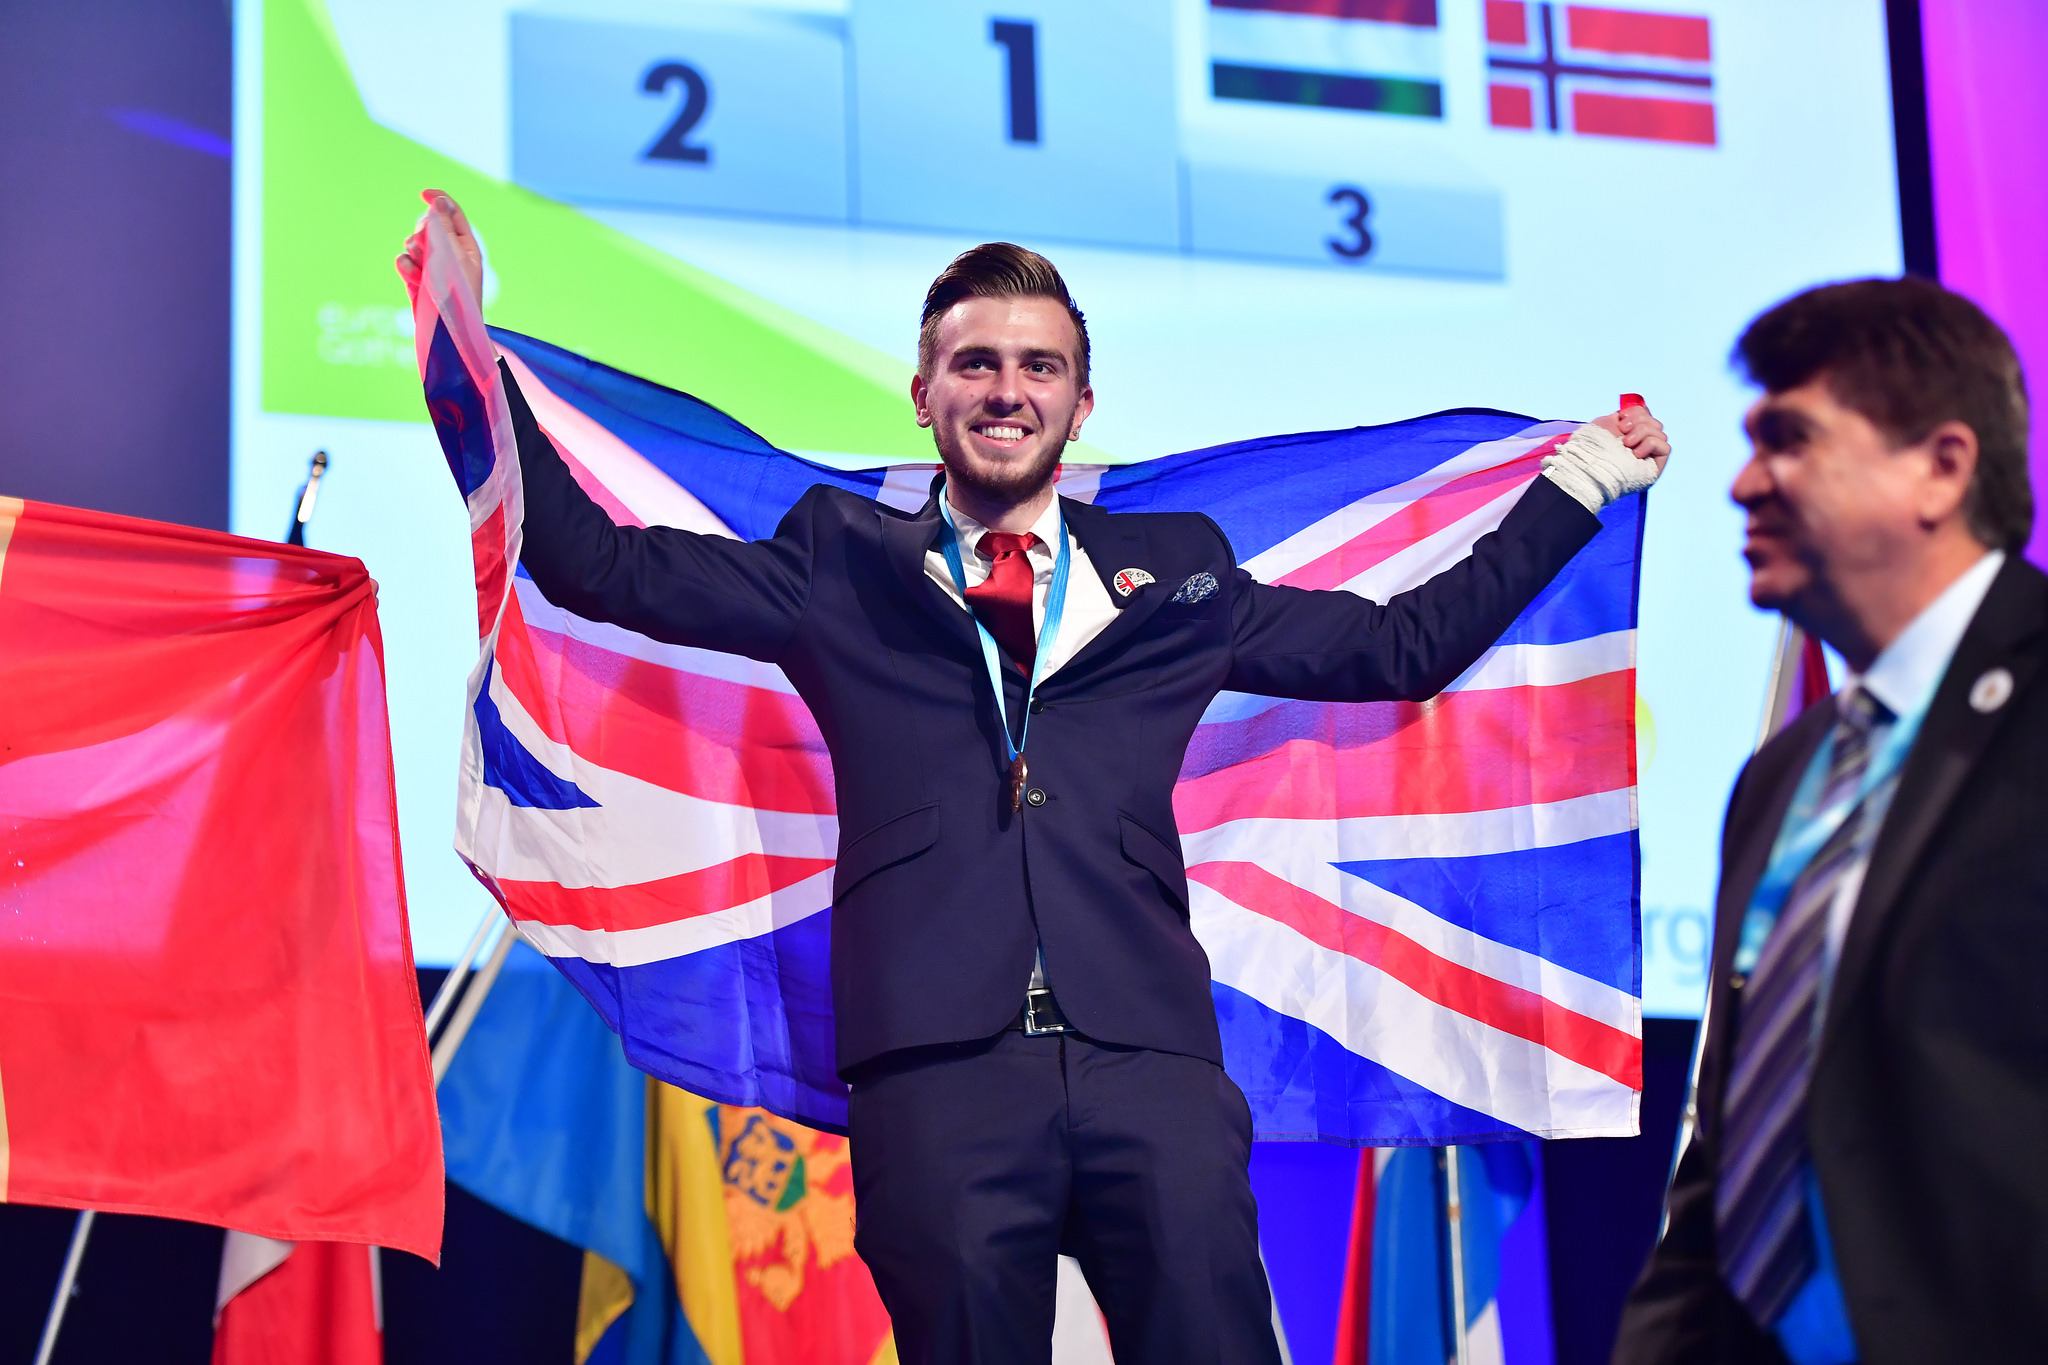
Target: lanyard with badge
{"points": [[1055, 608], [1809, 831]]}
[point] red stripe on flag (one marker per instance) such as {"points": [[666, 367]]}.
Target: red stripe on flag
{"points": [[1414, 13], [1507, 22], [1491, 749], [487, 549], [1510, 106], [1683, 37], [1512, 1010], [646, 904], [1636, 116], [1423, 517], [704, 737]]}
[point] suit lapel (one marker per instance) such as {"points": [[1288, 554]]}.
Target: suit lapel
{"points": [[1953, 738], [1112, 547], [905, 542]]}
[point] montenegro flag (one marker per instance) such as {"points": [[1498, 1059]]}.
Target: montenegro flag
{"points": [[712, 1233]]}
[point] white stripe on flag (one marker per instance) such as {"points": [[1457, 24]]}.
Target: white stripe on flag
{"points": [[639, 832], [660, 942], [1430, 556], [1517, 665], [1303, 865], [1576, 992], [542, 614], [627, 475], [1527, 665], [1522, 1084], [1320, 537], [1311, 42], [1463, 834]]}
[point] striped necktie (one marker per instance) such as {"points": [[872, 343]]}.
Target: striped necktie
{"points": [[1764, 1240]]}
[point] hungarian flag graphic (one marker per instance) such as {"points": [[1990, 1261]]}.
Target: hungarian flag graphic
{"points": [[1369, 56], [1607, 72]]}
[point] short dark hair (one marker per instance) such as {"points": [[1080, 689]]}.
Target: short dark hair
{"points": [[996, 270], [1909, 355]]}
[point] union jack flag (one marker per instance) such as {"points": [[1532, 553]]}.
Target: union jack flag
{"points": [[1421, 919]]}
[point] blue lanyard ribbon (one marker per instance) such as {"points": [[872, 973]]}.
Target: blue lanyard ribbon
{"points": [[1807, 830], [1055, 608]]}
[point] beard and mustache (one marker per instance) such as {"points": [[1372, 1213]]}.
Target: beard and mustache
{"points": [[1009, 483]]}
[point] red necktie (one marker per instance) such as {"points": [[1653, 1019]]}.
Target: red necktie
{"points": [[1002, 601]]}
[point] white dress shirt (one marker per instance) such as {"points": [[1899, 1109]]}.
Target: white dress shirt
{"points": [[1904, 677], [1089, 608]]}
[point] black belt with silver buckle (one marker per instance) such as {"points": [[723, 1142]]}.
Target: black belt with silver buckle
{"points": [[1041, 1015]]}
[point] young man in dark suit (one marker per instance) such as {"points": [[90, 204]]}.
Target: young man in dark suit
{"points": [[1868, 1182], [1007, 682]]}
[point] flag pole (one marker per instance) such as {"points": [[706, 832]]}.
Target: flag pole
{"points": [[67, 1283], [1777, 709], [1454, 1219], [444, 998], [472, 1001]]}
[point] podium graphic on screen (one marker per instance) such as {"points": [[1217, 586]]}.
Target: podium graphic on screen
{"points": [[1054, 119]]}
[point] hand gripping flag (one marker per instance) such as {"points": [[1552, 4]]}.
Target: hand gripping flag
{"points": [[1421, 918], [207, 1002]]}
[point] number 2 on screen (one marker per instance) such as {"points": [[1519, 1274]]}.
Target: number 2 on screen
{"points": [[674, 144], [1359, 244]]}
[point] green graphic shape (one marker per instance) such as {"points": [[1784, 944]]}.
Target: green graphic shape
{"points": [[341, 192]]}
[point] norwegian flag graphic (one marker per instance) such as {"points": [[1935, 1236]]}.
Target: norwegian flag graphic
{"points": [[1604, 72], [1421, 919]]}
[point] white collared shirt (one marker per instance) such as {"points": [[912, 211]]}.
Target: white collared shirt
{"points": [[1904, 677], [1089, 608]]}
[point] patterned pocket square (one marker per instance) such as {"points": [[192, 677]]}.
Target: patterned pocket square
{"points": [[1199, 588]]}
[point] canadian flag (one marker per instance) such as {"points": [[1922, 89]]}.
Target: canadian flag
{"points": [[298, 1303]]}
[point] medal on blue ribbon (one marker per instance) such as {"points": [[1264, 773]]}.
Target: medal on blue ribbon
{"points": [[1048, 631]]}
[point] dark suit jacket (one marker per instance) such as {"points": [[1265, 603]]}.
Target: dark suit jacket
{"points": [[939, 885], [1928, 1107]]}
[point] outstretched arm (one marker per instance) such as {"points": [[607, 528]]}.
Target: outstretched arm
{"points": [[735, 596], [1338, 646], [669, 584]]}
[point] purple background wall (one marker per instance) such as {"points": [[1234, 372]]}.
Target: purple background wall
{"points": [[114, 217], [1987, 120]]}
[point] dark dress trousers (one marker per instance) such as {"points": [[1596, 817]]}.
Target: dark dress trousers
{"points": [[1927, 1112], [942, 893]]}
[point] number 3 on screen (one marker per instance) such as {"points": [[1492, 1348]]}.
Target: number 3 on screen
{"points": [[1359, 244]]}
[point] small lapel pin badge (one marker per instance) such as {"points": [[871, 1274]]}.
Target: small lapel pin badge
{"points": [[1990, 690], [1128, 581]]}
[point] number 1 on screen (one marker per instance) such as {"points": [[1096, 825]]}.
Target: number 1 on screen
{"points": [[1019, 40]]}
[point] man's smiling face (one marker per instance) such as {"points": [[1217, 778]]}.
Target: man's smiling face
{"points": [[1004, 395]]}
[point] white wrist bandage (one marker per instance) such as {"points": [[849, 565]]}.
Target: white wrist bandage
{"points": [[1596, 468]]}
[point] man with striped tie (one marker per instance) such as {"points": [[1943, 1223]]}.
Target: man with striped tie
{"points": [[1868, 1182]]}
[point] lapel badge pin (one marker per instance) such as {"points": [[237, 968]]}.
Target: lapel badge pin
{"points": [[1200, 588], [1128, 581], [1990, 691]]}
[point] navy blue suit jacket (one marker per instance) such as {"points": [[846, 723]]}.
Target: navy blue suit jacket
{"points": [[941, 891]]}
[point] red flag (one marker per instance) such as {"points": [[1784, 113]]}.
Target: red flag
{"points": [[319, 1305], [1354, 1308], [207, 1002]]}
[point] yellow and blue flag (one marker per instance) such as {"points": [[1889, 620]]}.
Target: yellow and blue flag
{"points": [[712, 1233]]}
